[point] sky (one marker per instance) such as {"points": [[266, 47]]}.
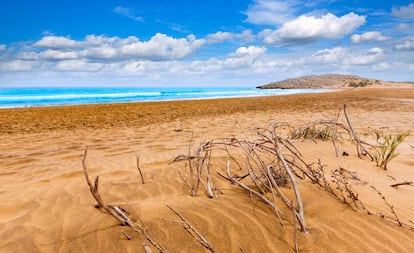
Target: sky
{"points": [[149, 43]]}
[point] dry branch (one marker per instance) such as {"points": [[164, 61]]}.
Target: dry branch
{"points": [[115, 211], [191, 230], [94, 191], [199, 165], [230, 178], [127, 236], [139, 168], [388, 204], [295, 234], [402, 183], [360, 148]]}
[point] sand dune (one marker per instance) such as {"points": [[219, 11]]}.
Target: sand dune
{"points": [[46, 206]]}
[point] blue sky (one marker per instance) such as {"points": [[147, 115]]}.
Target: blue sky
{"points": [[202, 43]]}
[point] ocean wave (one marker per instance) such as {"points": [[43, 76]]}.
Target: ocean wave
{"points": [[80, 96], [10, 98]]}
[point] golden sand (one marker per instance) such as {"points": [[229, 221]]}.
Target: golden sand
{"points": [[46, 206]]}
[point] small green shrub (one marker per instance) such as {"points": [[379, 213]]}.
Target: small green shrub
{"points": [[313, 132], [360, 83], [387, 150]]}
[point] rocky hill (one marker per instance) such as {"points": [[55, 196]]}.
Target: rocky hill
{"points": [[328, 81]]}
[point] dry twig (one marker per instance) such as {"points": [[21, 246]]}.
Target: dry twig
{"points": [[402, 183], [139, 168], [191, 230], [115, 211], [389, 205]]}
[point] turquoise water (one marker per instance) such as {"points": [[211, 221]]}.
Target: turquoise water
{"points": [[34, 97]]}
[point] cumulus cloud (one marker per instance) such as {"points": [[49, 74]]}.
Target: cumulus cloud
{"points": [[372, 56], [405, 26], [57, 42], [212, 64], [404, 12], [58, 55], [244, 56], [98, 52], [159, 47], [333, 55], [220, 36], [17, 65], [162, 47], [406, 44], [250, 51], [2, 47], [127, 12], [76, 65], [308, 29], [28, 56], [270, 12], [367, 37]]}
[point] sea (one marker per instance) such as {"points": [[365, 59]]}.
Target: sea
{"points": [[40, 97]]}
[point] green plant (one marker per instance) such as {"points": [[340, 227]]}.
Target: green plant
{"points": [[387, 149], [321, 132], [360, 83]]}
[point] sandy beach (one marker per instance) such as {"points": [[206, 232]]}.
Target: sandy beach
{"points": [[46, 205]]}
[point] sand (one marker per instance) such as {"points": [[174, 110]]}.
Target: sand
{"points": [[46, 206]]}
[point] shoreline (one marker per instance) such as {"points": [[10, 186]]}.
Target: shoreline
{"points": [[321, 90], [95, 116]]}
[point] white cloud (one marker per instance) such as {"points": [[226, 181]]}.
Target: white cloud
{"points": [[367, 37], [212, 64], [52, 55], [219, 37], [405, 12], [270, 12], [405, 26], [17, 65], [405, 44], [372, 56], [333, 55], [98, 40], [246, 35], [57, 42], [103, 52], [160, 47], [78, 66], [2, 47], [28, 56], [250, 51], [307, 29], [127, 12], [244, 56]]}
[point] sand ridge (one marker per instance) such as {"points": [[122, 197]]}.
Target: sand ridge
{"points": [[46, 205]]}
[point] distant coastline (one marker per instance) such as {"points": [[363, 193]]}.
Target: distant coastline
{"points": [[331, 81]]}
